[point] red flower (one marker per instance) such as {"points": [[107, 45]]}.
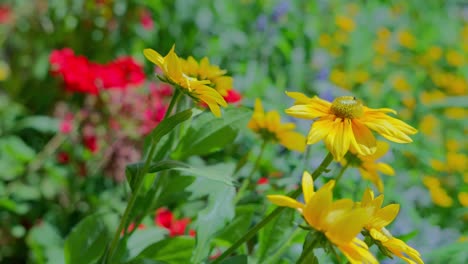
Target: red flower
{"points": [[132, 226], [90, 142], [63, 157], [165, 218], [233, 96], [5, 14], [81, 75], [262, 180]]}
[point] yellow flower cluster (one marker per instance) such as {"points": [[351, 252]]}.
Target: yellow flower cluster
{"points": [[178, 72], [342, 220]]}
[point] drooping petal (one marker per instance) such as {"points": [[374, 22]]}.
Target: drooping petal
{"points": [[391, 128], [293, 140], [385, 169], [282, 200], [319, 130], [365, 143], [357, 253], [346, 226], [339, 138]]}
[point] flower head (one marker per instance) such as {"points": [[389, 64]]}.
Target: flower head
{"points": [[338, 220], [173, 70], [369, 167], [345, 124], [380, 218], [204, 70], [269, 127]]}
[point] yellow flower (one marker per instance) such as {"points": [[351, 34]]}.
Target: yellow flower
{"points": [[463, 198], [429, 125], [345, 23], [338, 77], [380, 218], [438, 194], [345, 124], [400, 83], [370, 168], [171, 66], [268, 126], [206, 71], [406, 39], [339, 221], [454, 58]]}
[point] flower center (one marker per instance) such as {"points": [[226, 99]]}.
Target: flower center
{"points": [[347, 107]]}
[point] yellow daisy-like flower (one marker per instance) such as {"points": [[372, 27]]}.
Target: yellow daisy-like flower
{"points": [[345, 124], [171, 66], [368, 166], [203, 70], [380, 218], [339, 221], [438, 194], [268, 126]]}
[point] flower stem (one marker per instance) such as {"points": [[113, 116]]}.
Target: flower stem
{"points": [[138, 184], [246, 182], [340, 174], [247, 236], [307, 251]]}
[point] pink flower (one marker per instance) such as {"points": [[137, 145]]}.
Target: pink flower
{"points": [[66, 125], [146, 20]]}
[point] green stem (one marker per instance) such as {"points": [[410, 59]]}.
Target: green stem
{"points": [[246, 182], [307, 251], [247, 236], [138, 184], [340, 174]]}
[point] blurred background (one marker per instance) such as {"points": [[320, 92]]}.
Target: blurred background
{"points": [[64, 145]]}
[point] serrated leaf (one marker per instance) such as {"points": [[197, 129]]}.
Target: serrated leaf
{"points": [[218, 212], [141, 239], [87, 241], [209, 133]]}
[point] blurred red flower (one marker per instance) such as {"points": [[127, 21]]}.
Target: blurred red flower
{"points": [[165, 218]]}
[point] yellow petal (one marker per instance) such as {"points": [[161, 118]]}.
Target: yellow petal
{"points": [[319, 130], [282, 200], [154, 57], [365, 143], [385, 216], [293, 141], [318, 207], [347, 226], [307, 186], [339, 138], [385, 169]]}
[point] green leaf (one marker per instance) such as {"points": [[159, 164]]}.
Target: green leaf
{"points": [[168, 124], [132, 171], [274, 234], [209, 133], [87, 241], [213, 172], [241, 259], [239, 225], [46, 244], [141, 239], [43, 124], [218, 212], [171, 250]]}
